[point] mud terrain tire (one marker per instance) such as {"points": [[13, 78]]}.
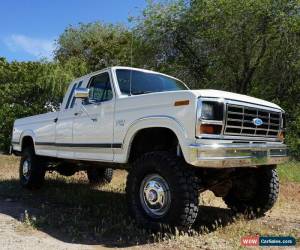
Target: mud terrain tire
{"points": [[162, 171], [264, 193]]}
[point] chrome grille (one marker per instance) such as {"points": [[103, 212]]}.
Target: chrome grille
{"points": [[239, 121]]}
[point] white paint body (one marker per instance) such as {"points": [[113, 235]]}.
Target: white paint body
{"points": [[117, 121]]}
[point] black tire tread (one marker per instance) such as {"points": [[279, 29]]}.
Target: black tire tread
{"points": [[265, 199], [38, 166], [187, 192], [100, 176]]}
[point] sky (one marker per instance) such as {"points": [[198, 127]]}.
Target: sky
{"points": [[29, 28]]}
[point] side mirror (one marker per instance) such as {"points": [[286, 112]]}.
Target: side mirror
{"points": [[82, 93]]}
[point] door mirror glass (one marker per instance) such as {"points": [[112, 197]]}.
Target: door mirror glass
{"points": [[82, 93]]}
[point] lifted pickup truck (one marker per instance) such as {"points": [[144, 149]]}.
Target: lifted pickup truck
{"points": [[174, 142]]}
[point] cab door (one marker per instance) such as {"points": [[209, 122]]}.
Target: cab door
{"points": [[64, 126], [93, 122]]}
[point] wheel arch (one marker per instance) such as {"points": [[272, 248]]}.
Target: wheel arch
{"points": [[154, 122], [27, 139]]}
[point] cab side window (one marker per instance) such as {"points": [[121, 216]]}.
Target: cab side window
{"points": [[71, 95], [100, 88]]}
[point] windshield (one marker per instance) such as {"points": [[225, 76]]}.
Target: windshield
{"points": [[145, 82]]}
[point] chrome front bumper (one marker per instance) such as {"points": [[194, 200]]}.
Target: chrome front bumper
{"points": [[227, 155]]}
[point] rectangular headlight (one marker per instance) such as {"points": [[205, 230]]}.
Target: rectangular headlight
{"points": [[209, 117], [211, 110]]}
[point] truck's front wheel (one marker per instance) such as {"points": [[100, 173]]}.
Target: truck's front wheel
{"points": [[161, 191], [255, 193], [32, 169]]}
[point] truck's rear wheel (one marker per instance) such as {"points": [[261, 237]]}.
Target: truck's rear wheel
{"points": [[254, 194], [99, 176], [161, 191], [32, 169]]}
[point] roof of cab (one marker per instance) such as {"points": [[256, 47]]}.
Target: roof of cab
{"points": [[121, 67]]}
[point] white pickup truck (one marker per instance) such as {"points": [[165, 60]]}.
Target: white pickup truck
{"points": [[174, 142]]}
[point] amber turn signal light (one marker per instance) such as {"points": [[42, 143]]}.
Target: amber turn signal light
{"points": [[210, 129], [182, 103]]}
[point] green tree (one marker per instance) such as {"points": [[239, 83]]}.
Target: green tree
{"points": [[245, 46], [30, 88], [98, 45]]}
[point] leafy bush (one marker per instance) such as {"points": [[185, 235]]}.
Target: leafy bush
{"points": [[30, 88]]}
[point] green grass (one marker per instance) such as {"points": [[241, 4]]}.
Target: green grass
{"points": [[71, 210], [289, 172]]}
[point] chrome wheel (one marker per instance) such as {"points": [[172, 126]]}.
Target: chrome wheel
{"points": [[155, 195], [26, 168], [32, 169]]}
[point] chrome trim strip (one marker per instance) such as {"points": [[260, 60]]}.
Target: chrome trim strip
{"points": [[238, 138], [226, 155], [213, 122], [237, 146]]}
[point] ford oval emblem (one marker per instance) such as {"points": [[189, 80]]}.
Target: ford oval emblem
{"points": [[257, 121]]}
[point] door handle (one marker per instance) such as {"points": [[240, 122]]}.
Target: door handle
{"points": [[77, 113]]}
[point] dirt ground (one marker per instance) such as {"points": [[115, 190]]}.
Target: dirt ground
{"points": [[45, 219], [15, 235]]}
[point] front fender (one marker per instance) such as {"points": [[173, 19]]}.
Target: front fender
{"points": [[27, 133], [155, 122]]}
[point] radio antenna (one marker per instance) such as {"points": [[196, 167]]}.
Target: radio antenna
{"points": [[131, 62]]}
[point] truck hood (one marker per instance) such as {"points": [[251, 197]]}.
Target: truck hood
{"points": [[233, 96]]}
